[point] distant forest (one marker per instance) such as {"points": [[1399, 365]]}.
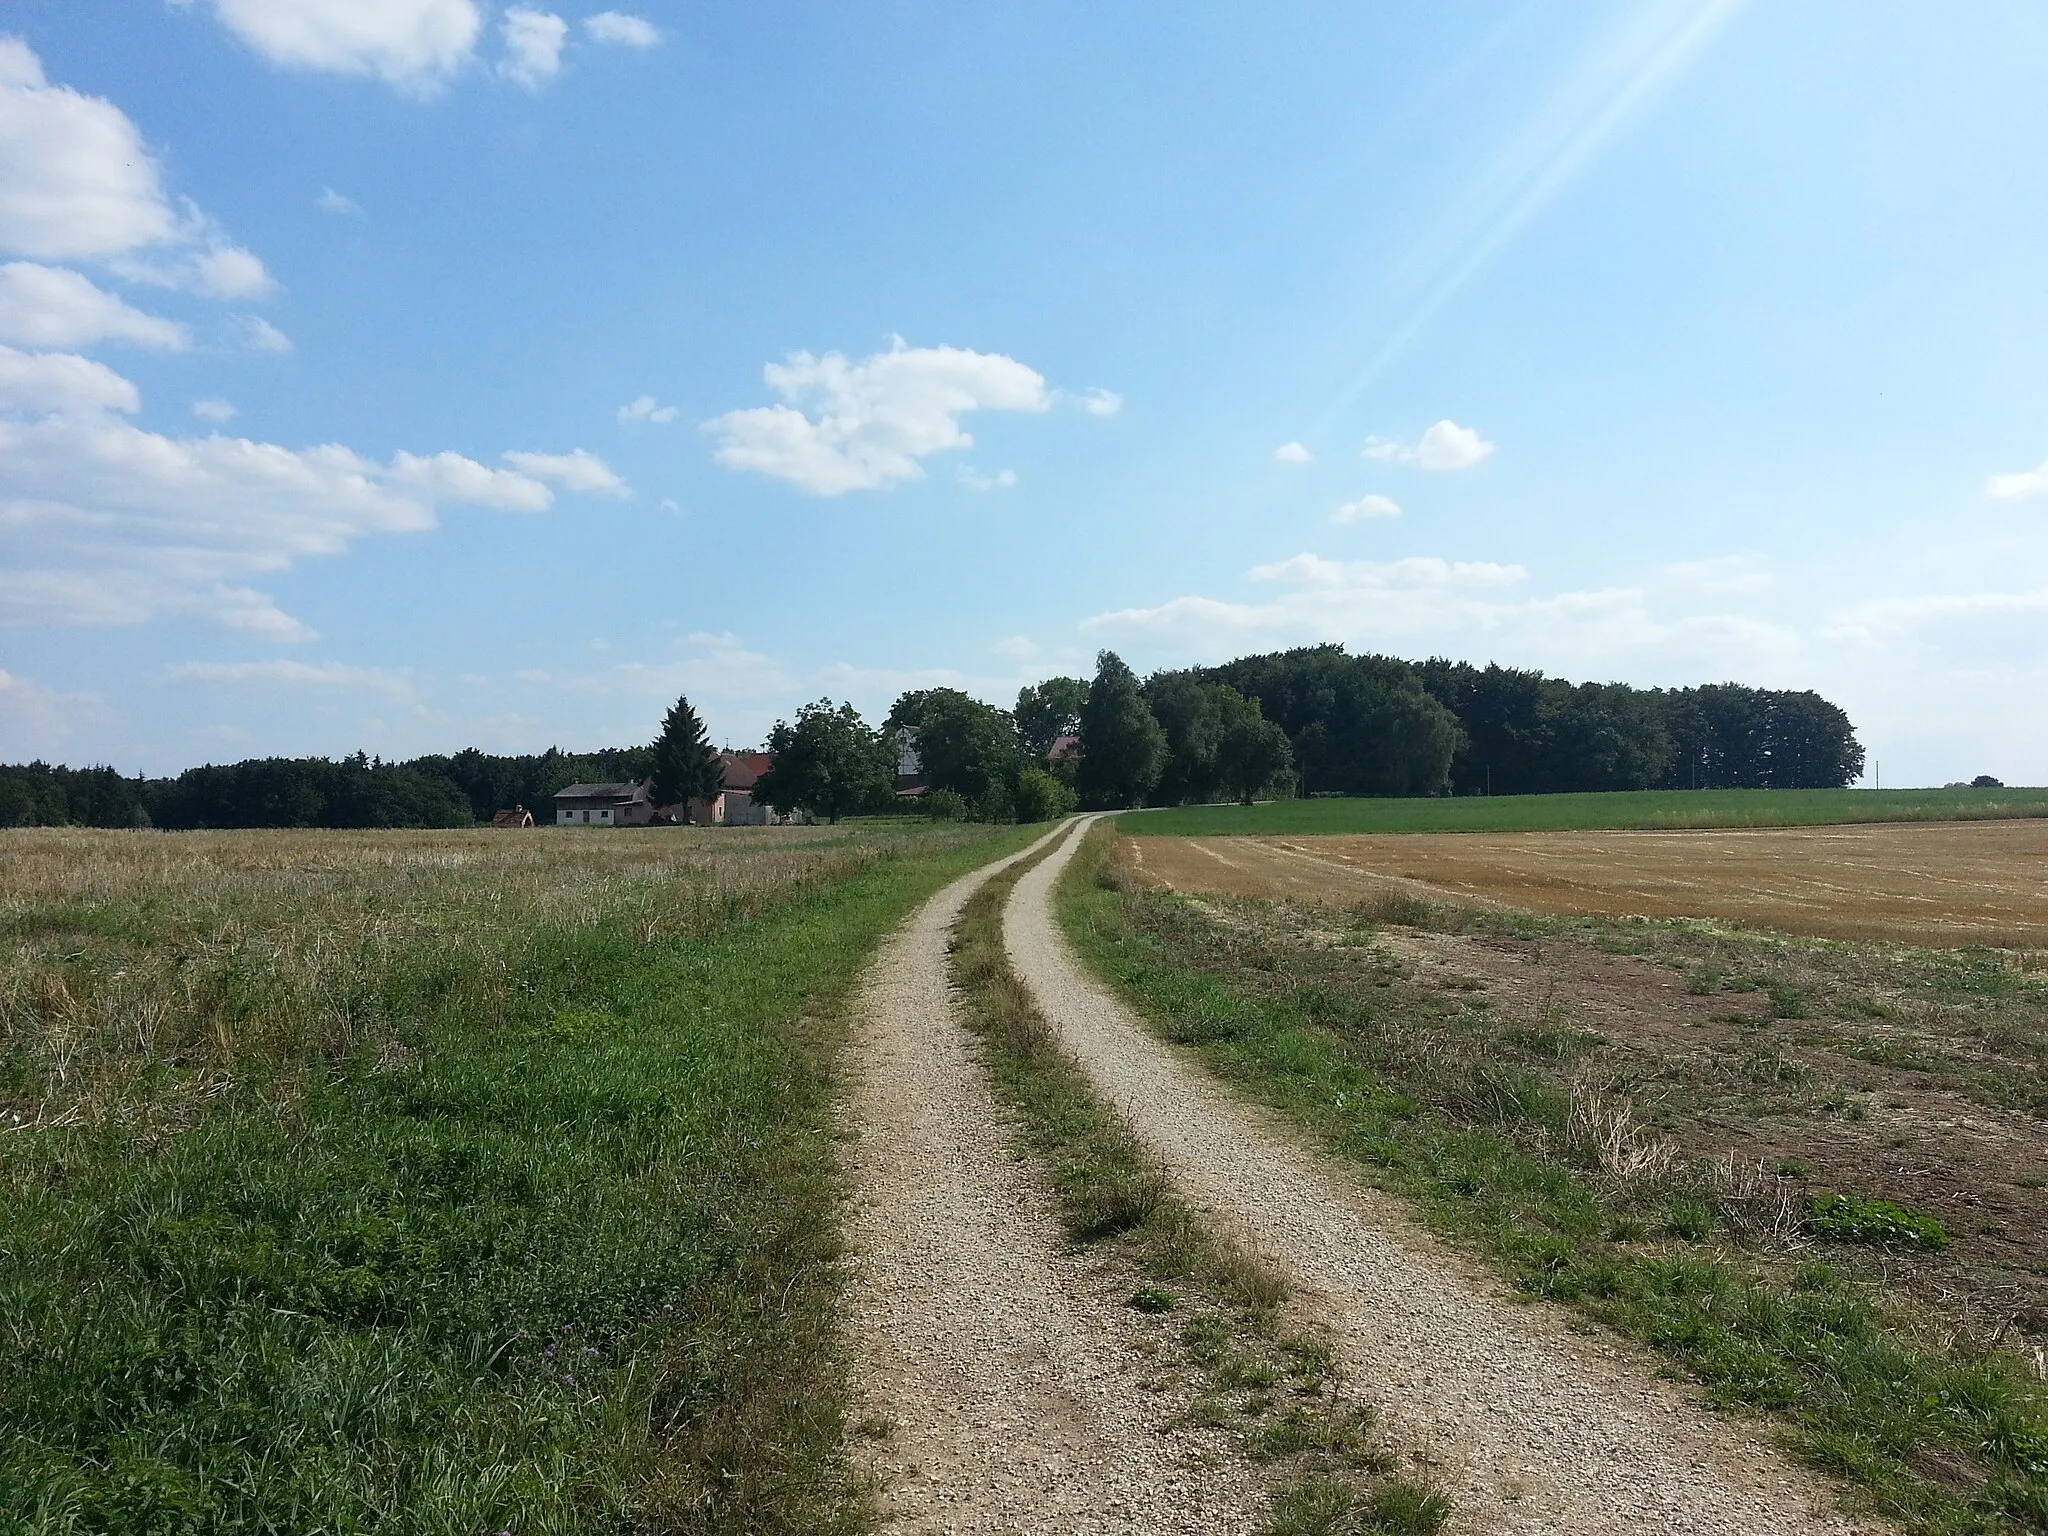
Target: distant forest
{"points": [[1355, 725]]}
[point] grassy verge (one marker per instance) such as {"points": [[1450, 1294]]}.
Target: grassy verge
{"points": [[1940, 1428], [1618, 811], [1270, 1388], [433, 1183]]}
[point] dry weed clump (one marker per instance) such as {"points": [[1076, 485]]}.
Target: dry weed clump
{"points": [[140, 969]]}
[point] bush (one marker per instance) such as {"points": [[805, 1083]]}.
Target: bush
{"points": [[1854, 1219], [946, 805], [1041, 797]]}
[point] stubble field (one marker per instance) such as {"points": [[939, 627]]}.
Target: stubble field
{"points": [[1941, 884]]}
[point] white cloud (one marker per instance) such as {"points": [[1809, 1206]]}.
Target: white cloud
{"points": [[103, 523], [874, 419], [533, 46], [229, 272], [626, 31], [75, 177], [331, 201], [456, 478], [576, 470], [1476, 610], [1365, 508], [55, 307], [78, 183], [1292, 453], [1016, 647], [2023, 486], [332, 676], [1101, 402], [259, 335], [978, 480], [647, 409], [39, 722], [41, 382], [411, 43], [219, 412], [1445, 446]]}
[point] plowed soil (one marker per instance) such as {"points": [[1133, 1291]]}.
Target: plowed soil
{"points": [[1933, 885]]}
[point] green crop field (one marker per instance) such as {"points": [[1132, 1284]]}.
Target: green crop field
{"points": [[450, 1182], [1649, 809]]}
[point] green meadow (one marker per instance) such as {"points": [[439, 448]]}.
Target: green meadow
{"points": [[449, 1182]]}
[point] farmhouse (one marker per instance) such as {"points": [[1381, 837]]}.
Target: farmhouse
{"points": [[734, 805], [604, 805]]}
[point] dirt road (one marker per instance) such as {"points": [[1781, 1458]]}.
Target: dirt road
{"points": [[1529, 1427], [1005, 1367]]}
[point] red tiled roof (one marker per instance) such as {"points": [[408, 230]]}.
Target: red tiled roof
{"points": [[742, 769]]}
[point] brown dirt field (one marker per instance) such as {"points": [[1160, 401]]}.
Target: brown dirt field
{"points": [[1931, 885]]}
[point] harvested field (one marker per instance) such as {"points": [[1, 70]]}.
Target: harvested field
{"points": [[1932, 884]]}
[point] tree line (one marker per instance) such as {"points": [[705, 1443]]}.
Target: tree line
{"points": [[1316, 720]]}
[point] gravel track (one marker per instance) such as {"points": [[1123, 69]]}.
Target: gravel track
{"points": [[1006, 1365], [1528, 1426]]}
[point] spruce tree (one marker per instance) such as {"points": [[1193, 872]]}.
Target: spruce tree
{"points": [[686, 765]]}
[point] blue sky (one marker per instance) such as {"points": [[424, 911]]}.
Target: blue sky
{"points": [[431, 372]]}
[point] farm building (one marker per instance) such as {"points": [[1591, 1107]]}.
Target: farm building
{"points": [[518, 816], [604, 805], [735, 805]]}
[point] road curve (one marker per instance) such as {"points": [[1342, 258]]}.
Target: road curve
{"points": [[1529, 1427], [1004, 1365]]}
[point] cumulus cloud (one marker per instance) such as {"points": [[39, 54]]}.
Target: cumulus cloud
{"points": [[219, 412], [980, 480], [850, 426], [1445, 446], [625, 31], [331, 201], [76, 179], [2023, 486], [1292, 453], [533, 46], [410, 43], [61, 381], [103, 523], [648, 410], [1100, 402], [55, 307], [452, 476], [575, 470], [259, 335], [77, 183], [1366, 508]]}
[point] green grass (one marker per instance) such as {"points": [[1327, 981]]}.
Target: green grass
{"points": [[504, 1209], [1629, 810], [1573, 1201], [1272, 1389]]}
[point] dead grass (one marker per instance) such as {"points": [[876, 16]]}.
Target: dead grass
{"points": [[1951, 884]]}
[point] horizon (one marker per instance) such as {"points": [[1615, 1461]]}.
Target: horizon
{"points": [[485, 374]]}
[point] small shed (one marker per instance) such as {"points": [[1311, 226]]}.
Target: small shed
{"points": [[604, 805], [518, 816]]}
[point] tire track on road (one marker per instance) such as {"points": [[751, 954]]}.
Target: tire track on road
{"points": [[1528, 1427], [1002, 1361]]}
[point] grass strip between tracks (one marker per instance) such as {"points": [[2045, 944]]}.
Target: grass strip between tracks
{"points": [[1947, 1435], [552, 1248], [1269, 1388]]}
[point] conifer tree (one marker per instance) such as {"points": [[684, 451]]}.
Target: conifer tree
{"points": [[686, 765]]}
